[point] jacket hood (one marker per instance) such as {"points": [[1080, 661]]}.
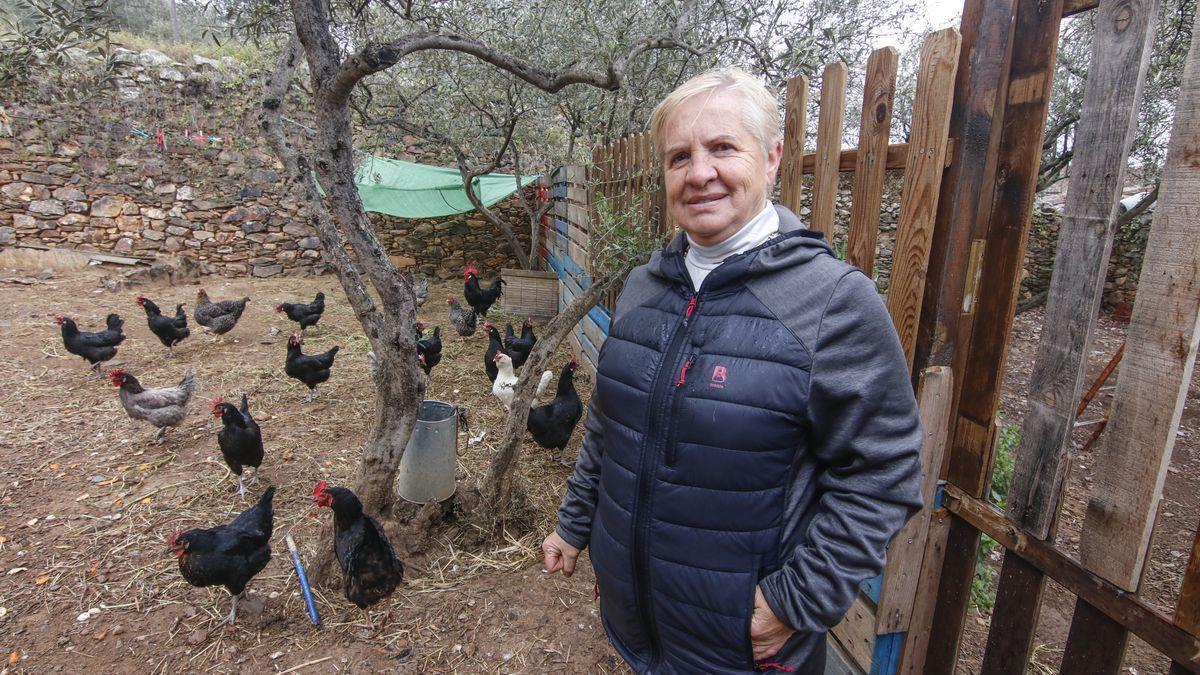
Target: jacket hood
{"points": [[794, 245]]}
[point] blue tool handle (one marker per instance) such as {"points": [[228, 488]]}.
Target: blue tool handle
{"points": [[304, 587]]}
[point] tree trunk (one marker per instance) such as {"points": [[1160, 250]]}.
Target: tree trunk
{"points": [[496, 488], [399, 383]]}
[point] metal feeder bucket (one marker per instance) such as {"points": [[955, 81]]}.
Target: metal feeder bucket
{"points": [[427, 468]]}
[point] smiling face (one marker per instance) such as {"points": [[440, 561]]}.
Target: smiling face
{"points": [[717, 173]]}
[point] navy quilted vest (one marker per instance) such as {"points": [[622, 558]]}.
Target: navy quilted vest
{"points": [[704, 395]]}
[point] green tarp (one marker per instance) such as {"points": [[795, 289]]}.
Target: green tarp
{"points": [[409, 190]]}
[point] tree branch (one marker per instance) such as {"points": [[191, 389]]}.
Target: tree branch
{"points": [[378, 57], [297, 172], [1138, 209]]}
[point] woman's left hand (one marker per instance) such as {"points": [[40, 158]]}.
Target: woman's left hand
{"points": [[767, 632]]}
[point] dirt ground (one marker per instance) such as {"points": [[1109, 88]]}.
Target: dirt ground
{"points": [[87, 503]]}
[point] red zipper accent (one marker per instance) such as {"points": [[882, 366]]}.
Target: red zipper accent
{"points": [[690, 308], [774, 665], [683, 373]]}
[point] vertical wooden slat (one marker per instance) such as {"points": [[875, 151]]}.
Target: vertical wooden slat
{"points": [[916, 639], [791, 186], [1106, 133], [1160, 352], [870, 168], [893, 613], [1124, 30], [1156, 372], [1014, 618], [922, 182], [829, 147], [973, 321]]}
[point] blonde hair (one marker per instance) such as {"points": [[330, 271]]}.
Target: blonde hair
{"points": [[760, 116]]}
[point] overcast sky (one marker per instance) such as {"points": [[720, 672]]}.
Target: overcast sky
{"points": [[943, 13]]}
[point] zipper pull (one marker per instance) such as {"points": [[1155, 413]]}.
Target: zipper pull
{"points": [[691, 307], [683, 372]]}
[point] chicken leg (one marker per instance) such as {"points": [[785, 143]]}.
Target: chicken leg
{"points": [[367, 615], [160, 436], [241, 488]]}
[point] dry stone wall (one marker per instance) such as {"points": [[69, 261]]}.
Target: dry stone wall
{"points": [[96, 177]]}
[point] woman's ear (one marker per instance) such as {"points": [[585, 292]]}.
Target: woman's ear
{"points": [[774, 156]]}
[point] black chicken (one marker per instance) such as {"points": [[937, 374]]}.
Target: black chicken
{"points": [[169, 330], [429, 350], [518, 348], [240, 439], [551, 424], [495, 345], [310, 369], [95, 348], [227, 555], [479, 299], [372, 570], [305, 315]]}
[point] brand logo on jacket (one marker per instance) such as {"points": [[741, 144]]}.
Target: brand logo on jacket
{"points": [[718, 378]]}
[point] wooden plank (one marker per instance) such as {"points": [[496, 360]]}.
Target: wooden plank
{"points": [[896, 156], [981, 119], [1187, 610], [1014, 618], [1095, 644], [1072, 7], [829, 147], [1160, 354], [791, 186], [916, 639], [1129, 610], [856, 633], [893, 612], [866, 194], [1105, 133], [922, 183]]}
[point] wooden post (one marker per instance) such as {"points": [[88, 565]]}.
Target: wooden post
{"points": [[829, 148], [1160, 354], [1124, 30], [977, 299], [922, 180], [870, 167], [791, 185]]}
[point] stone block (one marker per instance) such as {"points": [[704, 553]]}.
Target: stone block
{"points": [[69, 194], [48, 207], [107, 207], [263, 271], [309, 243], [202, 235]]}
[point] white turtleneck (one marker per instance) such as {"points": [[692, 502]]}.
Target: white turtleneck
{"points": [[701, 260]]}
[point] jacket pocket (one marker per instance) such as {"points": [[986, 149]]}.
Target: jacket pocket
{"points": [[678, 394], [752, 591]]}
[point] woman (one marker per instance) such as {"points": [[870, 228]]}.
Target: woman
{"points": [[752, 441]]}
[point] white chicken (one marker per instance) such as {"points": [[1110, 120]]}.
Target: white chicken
{"points": [[505, 386]]}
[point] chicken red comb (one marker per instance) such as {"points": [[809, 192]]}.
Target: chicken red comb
{"points": [[141, 300], [449, 301], [574, 361], [487, 325], [321, 487], [278, 307], [471, 269], [58, 319], [174, 538], [217, 401]]}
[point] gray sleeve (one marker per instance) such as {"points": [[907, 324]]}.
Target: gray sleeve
{"points": [[866, 435], [579, 504]]}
